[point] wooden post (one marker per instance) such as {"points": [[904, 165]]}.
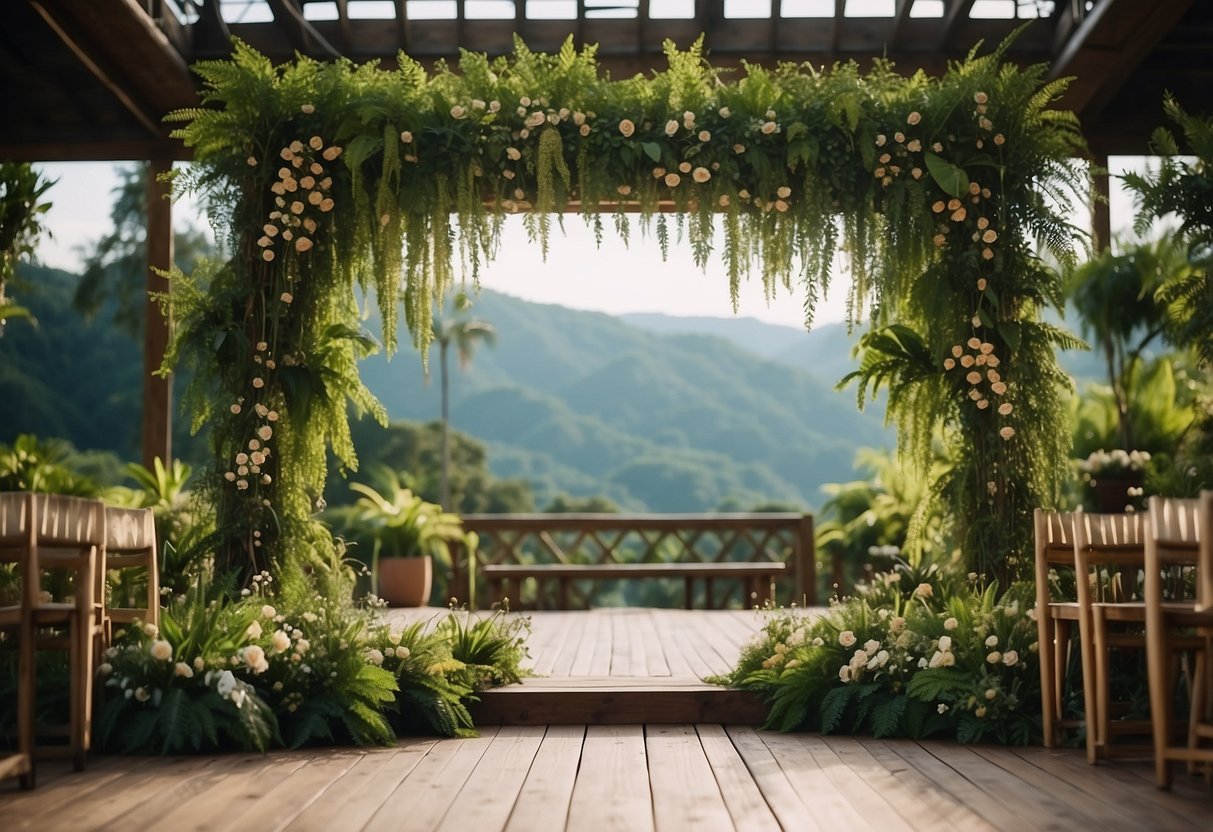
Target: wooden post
{"points": [[1101, 211], [157, 392], [806, 563]]}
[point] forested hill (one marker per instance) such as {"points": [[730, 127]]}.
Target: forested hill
{"points": [[585, 403], [576, 402]]}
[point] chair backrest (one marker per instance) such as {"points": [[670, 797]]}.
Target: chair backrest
{"points": [[1108, 540], [1054, 545], [1173, 543], [1204, 567], [131, 543], [46, 532]]}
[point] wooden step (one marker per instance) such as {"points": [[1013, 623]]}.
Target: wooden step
{"points": [[617, 700]]}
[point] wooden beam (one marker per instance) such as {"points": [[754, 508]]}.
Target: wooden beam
{"points": [[302, 33], [956, 14], [840, 14], [82, 54], [157, 392], [402, 24], [1101, 214], [901, 13], [122, 42], [87, 150], [1108, 46], [343, 23]]}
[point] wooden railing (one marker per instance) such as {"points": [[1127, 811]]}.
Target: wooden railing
{"points": [[600, 540]]}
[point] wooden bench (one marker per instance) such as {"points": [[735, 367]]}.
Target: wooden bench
{"points": [[757, 578]]}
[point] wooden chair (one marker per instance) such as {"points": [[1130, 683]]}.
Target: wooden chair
{"points": [[1109, 550], [1055, 619], [42, 534], [1181, 536], [130, 543]]}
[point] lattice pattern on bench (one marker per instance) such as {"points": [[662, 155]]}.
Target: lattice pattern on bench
{"points": [[595, 542]]}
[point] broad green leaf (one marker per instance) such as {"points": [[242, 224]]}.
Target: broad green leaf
{"points": [[952, 179]]}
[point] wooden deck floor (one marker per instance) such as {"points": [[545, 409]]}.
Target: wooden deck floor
{"points": [[625, 665], [627, 777]]}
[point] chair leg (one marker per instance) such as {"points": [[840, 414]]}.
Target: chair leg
{"points": [[1102, 684], [1089, 647], [1160, 699], [1047, 706], [1198, 705], [26, 677]]}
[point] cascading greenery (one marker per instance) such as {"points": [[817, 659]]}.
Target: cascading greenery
{"points": [[335, 176]]}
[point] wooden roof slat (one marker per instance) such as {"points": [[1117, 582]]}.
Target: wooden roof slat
{"points": [[956, 14]]}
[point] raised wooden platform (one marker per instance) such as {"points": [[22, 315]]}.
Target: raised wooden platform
{"points": [[705, 778], [628, 665]]}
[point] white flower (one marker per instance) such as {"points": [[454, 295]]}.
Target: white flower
{"points": [[184, 670], [896, 624], [950, 624], [725, 112], [991, 693], [923, 590], [161, 651], [943, 709], [846, 638], [535, 119], [994, 658], [302, 645], [105, 668], [142, 695], [769, 127], [844, 673], [459, 111], [254, 630], [513, 153], [871, 645], [701, 175], [627, 128], [199, 663], [254, 657], [280, 641], [1010, 658], [992, 641], [151, 630], [226, 683], [402, 652], [945, 643], [374, 656]]}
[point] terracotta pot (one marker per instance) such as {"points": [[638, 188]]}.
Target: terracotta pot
{"points": [[406, 582]]}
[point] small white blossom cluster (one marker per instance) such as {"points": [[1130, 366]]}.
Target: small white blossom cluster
{"points": [[302, 189], [900, 154], [979, 363], [1116, 461], [249, 462]]}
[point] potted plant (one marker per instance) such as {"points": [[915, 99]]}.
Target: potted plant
{"points": [[407, 535], [1117, 477]]}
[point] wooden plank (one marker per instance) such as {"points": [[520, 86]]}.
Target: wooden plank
{"points": [[592, 635], [600, 662], [117, 797], [1111, 783], [307, 785], [571, 647], [358, 795], [217, 797], [671, 648], [517, 705], [621, 645], [57, 784], [983, 787], [778, 791], [428, 791], [685, 794], [612, 789], [562, 631], [543, 802], [488, 796], [914, 797], [748, 809], [638, 653], [655, 663], [813, 783]]}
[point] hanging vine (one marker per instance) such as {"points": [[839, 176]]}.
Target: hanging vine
{"points": [[335, 176]]}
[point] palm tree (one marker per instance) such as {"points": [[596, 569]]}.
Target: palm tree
{"points": [[465, 334]]}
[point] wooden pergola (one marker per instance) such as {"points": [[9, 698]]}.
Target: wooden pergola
{"points": [[90, 80]]}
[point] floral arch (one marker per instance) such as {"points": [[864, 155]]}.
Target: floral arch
{"points": [[326, 177]]}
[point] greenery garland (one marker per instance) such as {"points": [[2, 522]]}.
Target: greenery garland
{"points": [[333, 176]]}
